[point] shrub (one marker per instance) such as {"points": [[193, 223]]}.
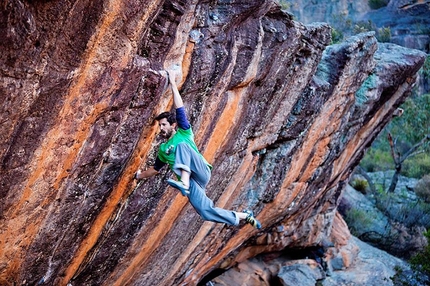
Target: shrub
{"points": [[414, 124], [426, 67], [421, 261], [336, 36], [376, 4], [362, 26], [341, 27], [285, 5], [377, 160], [417, 166], [360, 185], [412, 214], [357, 220], [408, 213], [422, 189], [384, 35], [407, 277]]}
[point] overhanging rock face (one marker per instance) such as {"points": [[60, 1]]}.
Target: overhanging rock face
{"points": [[282, 117]]}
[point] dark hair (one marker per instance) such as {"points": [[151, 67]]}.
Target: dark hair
{"points": [[171, 118]]}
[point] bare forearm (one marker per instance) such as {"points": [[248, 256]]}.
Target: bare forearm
{"points": [[177, 99], [146, 173]]}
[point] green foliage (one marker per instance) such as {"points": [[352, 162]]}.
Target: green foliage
{"points": [[341, 22], [422, 28], [408, 213], [360, 185], [408, 278], [422, 189], [383, 35], [336, 36], [357, 220], [376, 4], [412, 214], [285, 5], [417, 166], [364, 26], [421, 261], [343, 27], [377, 160], [425, 70], [414, 124], [408, 130], [398, 278]]}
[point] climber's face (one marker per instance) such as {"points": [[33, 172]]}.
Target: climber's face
{"points": [[166, 129]]}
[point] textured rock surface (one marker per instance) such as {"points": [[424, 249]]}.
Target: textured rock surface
{"points": [[406, 21], [79, 89], [403, 237], [381, 265], [264, 270], [371, 266]]}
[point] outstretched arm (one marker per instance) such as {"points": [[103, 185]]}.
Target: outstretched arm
{"points": [[177, 99], [151, 171], [181, 116], [145, 174]]}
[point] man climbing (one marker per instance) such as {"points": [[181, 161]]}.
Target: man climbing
{"points": [[193, 171]]}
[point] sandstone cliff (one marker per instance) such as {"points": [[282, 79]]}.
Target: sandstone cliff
{"points": [[282, 122]]}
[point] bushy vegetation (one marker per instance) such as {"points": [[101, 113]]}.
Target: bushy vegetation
{"points": [[360, 185], [422, 189], [421, 261], [344, 27], [414, 124], [364, 26], [403, 277], [336, 36], [285, 5], [357, 220], [377, 158], [383, 35], [409, 213], [408, 129], [418, 166], [425, 70], [376, 4]]}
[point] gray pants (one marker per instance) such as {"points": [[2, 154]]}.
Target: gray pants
{"points": [[189, 160]]}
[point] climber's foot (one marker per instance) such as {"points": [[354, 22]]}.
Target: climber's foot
{"points": [[180, 186], [252, 220]]}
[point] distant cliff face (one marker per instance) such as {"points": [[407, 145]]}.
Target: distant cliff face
{"points": [[310, 11], [407, 21], [282, 119]]}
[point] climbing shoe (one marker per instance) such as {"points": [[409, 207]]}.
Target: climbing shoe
{"points": [[180, 186], [252, 220]]}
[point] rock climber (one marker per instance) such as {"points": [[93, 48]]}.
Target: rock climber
{"points": [[191, 168]]}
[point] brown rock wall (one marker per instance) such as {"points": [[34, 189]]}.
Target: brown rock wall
{"points": [[280, 122]]}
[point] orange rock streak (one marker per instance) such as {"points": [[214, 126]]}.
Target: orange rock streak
{"points": [[74, 125]]}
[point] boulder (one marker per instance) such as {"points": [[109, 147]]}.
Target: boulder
{"points": [[282, 117]]}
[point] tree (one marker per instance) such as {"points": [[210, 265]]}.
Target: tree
{"points": [[414, 123], [399, 159]]}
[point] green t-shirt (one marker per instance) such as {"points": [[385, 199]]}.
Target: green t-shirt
{"points": [[166, 152]]}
